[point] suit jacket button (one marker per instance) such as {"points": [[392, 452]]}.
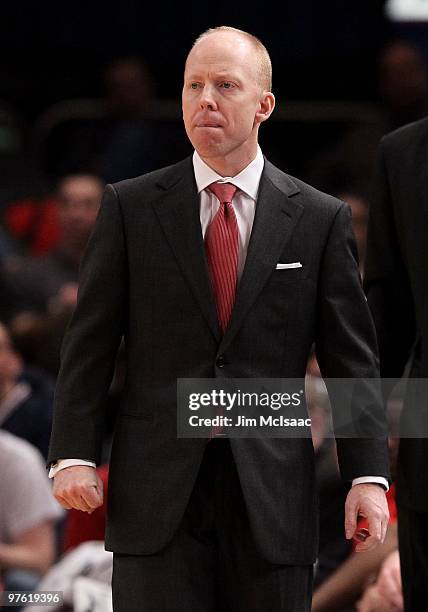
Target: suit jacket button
{"points": [[220, 363]]}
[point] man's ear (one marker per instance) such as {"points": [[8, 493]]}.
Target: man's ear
{"points": [[266, 106]]}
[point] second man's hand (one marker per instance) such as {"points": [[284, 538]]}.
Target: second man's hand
{"points": [[78, 487], [367, 500]]}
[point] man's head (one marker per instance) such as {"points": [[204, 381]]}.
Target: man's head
{"points": [[79, 197], [226, 96], [403, 76], [129, 88]]}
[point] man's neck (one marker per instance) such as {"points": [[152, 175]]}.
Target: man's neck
{"points": [[230, 166]]}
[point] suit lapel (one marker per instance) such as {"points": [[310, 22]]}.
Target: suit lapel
{"points": [[178, 213], [276, 216]]}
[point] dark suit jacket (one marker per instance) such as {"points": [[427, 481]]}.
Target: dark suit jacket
{"points": [[396, 280], [145, 276]]}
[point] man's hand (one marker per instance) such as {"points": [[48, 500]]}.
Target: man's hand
{"points": [[78, 487], [367, 500], [372, 601], [389, 580], [386, 594]]}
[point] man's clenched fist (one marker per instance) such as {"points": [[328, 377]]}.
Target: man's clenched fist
{"points": [[367, 500], [78, 487]]}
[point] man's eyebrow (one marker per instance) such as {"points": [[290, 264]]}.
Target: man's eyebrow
{"points": [[218, 75], [226, 75]]}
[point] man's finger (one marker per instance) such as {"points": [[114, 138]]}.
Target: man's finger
{"points": [[374, 518], [93, 497], [350, 519], [63, 502], [375, 532], [77, 502], [75, 496], [85, 506]]}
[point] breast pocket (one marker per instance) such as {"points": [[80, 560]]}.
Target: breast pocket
{"points": [[287, 274]]}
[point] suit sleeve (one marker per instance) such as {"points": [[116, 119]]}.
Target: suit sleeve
{"points": [[346, 348], [386, 280], [92, 339]]}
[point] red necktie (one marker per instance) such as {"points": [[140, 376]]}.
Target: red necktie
{"points": [[221, 245]]}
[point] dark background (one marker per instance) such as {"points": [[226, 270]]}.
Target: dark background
{"points": [[320, 49]]}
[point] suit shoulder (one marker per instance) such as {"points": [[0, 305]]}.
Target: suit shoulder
{"points": [[318, 199], [148, 184], [312, 199], [410, 134]]}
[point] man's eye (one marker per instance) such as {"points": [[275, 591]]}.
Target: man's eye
{"points": [[194, 85], [226, 85]]}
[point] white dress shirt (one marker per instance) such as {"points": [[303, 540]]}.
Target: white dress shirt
{"points": [[244, 200], [244, 205]]}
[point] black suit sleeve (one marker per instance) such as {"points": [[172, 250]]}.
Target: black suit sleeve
{"points": [[346, 348], [386, 280], [92, 340]]}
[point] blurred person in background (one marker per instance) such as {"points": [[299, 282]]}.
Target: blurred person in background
{"points": [[403, 83], [344, 169], [353, 578], [7, 249], [26, 397], [32, 222], [131, 143], [345, 166], [385, 594], [7, 246], [124, 140], [28, 515], [396, 282], [49, 283]]}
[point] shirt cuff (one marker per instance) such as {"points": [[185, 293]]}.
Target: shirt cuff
{"points": [[372, 480], [65, 463]]}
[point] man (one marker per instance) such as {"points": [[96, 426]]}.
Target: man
{"points": [[218, 525], [28, 513], [26, 397], [397, 292], [49, 284]]}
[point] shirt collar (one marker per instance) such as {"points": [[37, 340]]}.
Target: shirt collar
{"points": [[247, 180]]}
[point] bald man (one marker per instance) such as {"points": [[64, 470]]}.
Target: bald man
{"points": [[219, 266]]}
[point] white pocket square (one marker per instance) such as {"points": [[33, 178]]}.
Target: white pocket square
{"points": [[287, 266]]}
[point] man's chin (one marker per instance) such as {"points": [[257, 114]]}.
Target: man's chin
{"points": [[209, 150]]}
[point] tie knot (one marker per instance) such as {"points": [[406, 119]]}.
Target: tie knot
{"points": [[223, 191]]}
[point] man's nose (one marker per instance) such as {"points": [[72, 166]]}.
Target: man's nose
{"points": [[207, 99]]}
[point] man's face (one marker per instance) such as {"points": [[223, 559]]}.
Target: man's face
{"points": [[222, 96], [79, 198]]}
